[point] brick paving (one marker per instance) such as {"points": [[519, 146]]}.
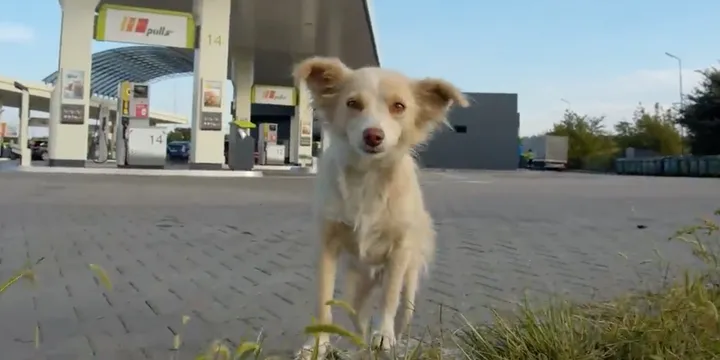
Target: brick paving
{"points": [[236, 255]]}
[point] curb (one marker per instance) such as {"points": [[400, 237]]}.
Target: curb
{"points": [[142, 172]]}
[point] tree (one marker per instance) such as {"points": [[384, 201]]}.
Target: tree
{"points": [[587, 139], [179, 134], [701, 115], [654, 131]]}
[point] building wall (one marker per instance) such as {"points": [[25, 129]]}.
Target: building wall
{"points": [[490, 140]]}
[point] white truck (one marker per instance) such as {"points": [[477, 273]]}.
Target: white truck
{"points": [[550, 151]]}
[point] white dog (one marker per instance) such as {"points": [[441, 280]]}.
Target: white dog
{"points": [[368, 199]]}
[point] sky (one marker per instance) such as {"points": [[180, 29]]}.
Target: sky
{"points": [[599, 58]]}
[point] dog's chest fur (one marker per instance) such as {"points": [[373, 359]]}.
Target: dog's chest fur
{"points": [[369, 214]]}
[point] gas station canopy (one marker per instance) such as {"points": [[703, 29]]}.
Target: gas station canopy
{"points": [[136, 64], [280, 33], [272, 28], [250, 42]]}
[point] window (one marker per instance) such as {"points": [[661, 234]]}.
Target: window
{"points": [[462, 129]]}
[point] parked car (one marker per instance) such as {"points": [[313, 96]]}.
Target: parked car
{"points": [[39, 150], [178, 150]]}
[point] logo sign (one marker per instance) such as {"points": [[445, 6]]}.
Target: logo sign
{"points": [[125, 98], [141, 111], [145, 26], [142, 26], [273, 95], [125, 108], [125, 91]]}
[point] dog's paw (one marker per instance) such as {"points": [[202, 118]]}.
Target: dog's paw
{"points": [[306, 353], [383, 340]]}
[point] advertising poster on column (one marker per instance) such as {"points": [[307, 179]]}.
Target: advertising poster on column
{"points": [[211, 114], [72, 92], [212, 95], [306, 133], [73, 85], [306, 130]]}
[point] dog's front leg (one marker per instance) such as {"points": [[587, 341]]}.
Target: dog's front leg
{"points": [[392, 286], [327, 271], [359, 286], [407, 308]]}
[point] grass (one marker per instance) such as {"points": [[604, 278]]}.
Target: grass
{"points": [[680, 321]]}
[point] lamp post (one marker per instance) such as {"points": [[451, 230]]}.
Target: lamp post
{"points": [[566, 102], [682, 97]]}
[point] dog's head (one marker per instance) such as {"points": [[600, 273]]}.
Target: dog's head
{"points": [[376, 111]]}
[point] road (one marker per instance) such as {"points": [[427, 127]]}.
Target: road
{"points": [[236, 255]]}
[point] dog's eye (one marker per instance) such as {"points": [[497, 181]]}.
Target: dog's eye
{"points": [[353, 104], [397, 108]]}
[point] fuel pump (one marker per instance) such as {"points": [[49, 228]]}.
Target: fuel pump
{"points": [[100, 137], [137, 143], [269, 151]]}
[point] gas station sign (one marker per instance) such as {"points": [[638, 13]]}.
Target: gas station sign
{"points": [[270, 133], [141, 111], [137, 25], [273, 95]]}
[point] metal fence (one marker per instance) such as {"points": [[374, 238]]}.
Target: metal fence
{"points": [[688, 166]]}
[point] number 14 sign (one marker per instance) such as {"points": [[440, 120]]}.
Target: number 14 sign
{"points": [[141, 111]]}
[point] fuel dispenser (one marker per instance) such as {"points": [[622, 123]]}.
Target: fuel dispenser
{"points": [[269, 151], [137, 144]]}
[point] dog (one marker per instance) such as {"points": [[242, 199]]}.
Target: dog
{"points": [[368, 203]]}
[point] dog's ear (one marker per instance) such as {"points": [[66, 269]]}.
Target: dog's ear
{"points": [[322, 75], [435, 97]]}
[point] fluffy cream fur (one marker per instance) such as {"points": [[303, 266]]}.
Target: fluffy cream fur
{"points": [[369, 205]]}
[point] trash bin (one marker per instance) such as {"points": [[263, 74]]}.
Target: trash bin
{"points": [[694, 166], [713, 166], [671, 166], [684, 166], [620, 166]]}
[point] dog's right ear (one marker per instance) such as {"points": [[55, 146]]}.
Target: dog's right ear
{"points": [[322, 75]]}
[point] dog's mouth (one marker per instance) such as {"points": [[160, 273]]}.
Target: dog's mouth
{"points": [[372, 150]]}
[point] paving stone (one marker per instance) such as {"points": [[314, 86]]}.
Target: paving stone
{"points": [[237, 255]]}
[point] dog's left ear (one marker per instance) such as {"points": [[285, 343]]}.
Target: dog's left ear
{"points": [[435, 97]]}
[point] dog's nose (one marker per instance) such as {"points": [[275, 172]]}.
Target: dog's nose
{"points": [[373, 137]]}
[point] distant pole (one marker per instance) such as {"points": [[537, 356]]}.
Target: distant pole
{"points": [[2, 134], [682, 96]]}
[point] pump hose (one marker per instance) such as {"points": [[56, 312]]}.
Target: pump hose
{"points": [[101, 144]]}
